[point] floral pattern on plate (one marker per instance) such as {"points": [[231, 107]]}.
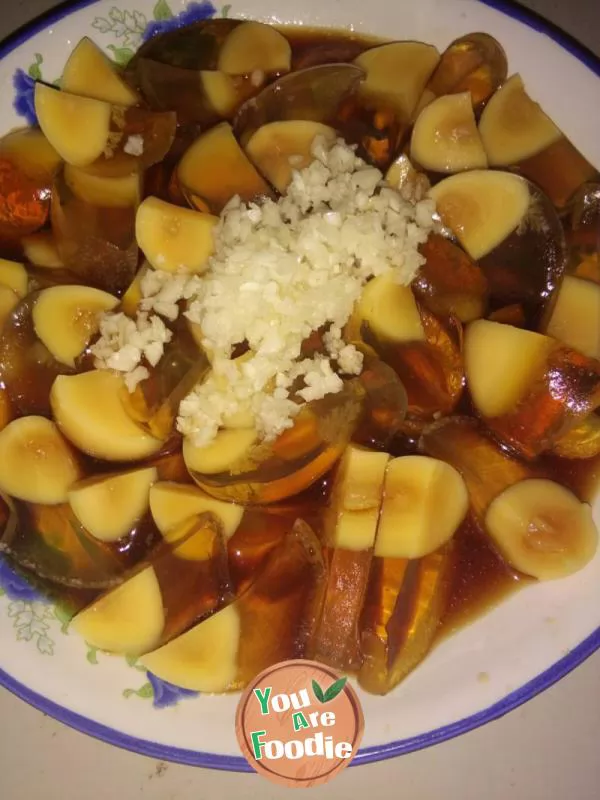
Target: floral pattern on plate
{"points": [[129, 28], [36, 620], [24, 85], [32, 615]]}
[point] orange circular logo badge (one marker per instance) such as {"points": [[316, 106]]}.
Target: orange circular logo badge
{"points": [[299, 723]]}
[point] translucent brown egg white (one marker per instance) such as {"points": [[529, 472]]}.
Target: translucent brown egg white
{"points": [[300, 348]]}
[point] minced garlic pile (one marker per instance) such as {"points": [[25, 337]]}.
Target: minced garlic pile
{"points": [[279, 272]]}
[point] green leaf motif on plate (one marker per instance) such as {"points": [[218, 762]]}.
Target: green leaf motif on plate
{"points": [[34, 70], [64, 617], [45, 645], [132, 662], [162, 11], [30, 623], [121, 55], [127, 26], [145, 692]]}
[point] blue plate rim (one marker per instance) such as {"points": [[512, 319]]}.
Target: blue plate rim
{"points": [[510, 8], [367, 755], [375, 753]]}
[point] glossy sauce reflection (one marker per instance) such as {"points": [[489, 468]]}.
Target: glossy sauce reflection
{"points": [[479, 579]]}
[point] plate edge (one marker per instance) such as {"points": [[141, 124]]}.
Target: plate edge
{"points": [[377, 752], [368, 755]]}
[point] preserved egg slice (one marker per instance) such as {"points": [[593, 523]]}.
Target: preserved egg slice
{"points": [[255, 47], [215, 168], [174, 239], [91, 73], [481, 207], [445, 136], [542, 529], [108, 507], [424, 502], [513, 127], [88, 410]]}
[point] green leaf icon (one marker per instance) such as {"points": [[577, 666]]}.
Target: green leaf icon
{"points": [[331, 693], [334, 689], [318, 692]]}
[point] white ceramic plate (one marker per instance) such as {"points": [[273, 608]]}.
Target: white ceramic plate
{"points": [[503, 659]]}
